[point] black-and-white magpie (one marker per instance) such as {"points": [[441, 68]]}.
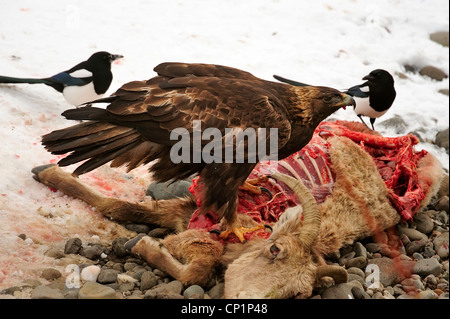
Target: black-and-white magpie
{"points": [[85, 82], [373, 98]]}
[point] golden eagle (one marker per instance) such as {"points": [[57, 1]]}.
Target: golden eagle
{"points": [[136, 126]]}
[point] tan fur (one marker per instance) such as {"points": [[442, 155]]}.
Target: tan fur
{"points": [[358, 207]]}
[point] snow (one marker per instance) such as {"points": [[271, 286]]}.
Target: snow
{"points": [[330, 43]]}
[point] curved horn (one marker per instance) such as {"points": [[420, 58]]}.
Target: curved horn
{"points": [[311, 214], [338, 273]]}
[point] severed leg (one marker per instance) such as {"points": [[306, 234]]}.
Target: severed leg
{"points": [[173, 213]]}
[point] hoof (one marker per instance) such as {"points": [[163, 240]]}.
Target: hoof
{"points": [[36, 170], [132, 242]]}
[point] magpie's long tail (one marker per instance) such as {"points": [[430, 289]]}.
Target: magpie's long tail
{"points": [[9, 79], [97, 141], [291, 82]]}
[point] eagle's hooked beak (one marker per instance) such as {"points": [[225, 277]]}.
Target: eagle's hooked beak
{"points": [[347, 100]]}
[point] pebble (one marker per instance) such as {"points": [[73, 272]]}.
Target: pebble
{"points": [[423, 223], [94, 290], [412, 234], [194, 292], [415, 246], [169, 190], [442, 140], [171, 290], [44, 292], [427, 294], [118, 247], [440, 37], [216, 292], [92, 252], [107, 276], [443, 204], [358, 262], [387, 268], [148, 280], [360, 250], [427, 266], [51, 274], [73, 246], [138, 228], [441, 243], [433, 72], [54, 253], [90, 273]]}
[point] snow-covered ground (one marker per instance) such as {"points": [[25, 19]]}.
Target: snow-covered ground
{"points": [[325, 42]]}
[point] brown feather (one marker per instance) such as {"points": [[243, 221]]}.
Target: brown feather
{"points": [[135, 127]]}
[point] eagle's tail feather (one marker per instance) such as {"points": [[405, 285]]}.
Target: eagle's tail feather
{"points": [[98, 142]]}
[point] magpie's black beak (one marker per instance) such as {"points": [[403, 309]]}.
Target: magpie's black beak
{"points": [[368, 77], [114, 57]]}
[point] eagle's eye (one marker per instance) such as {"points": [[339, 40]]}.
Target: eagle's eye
{"points": [[327, 99]]}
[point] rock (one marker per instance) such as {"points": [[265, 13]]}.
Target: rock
{"points": [[93, 290], [128, 266], [441, 245], [396, 123], [71, 293], [431, 281], [44, 292], [169, 190], [54, 253], [423, 223], [92, 252], [440, 37], [433, 72], [412, 234], [442, 217], [444, 91], [343, 291], [441, 140], [443, 189], [356, 278], [386, 269], [138, 228], [31, 283], [90, 273], [73, 246], [428, 251], [10, 290], [107, 276], [118, 247], [374, 247], [51, 274], [358, 262], [126, 286], [427, 294], [216, 292], [194, 292], [428, 266], [360, 250], [415, 246], [356, 271], [148, 280], [169, 290], [346, 257], [442, 204]]}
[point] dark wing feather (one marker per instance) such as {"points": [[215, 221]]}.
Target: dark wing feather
{"points": [[153, 109]]}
